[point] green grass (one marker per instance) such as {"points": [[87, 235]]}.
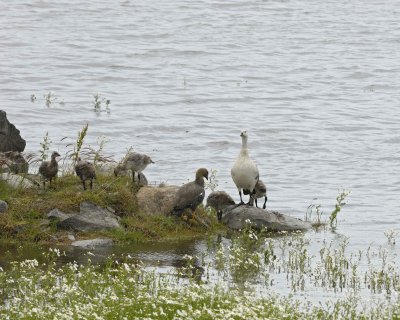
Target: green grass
{"points": [[25, 219]]}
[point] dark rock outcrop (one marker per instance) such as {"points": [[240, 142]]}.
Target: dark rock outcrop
{"points": [[90, 218], [157, 200], [10, 139], [235, 218]]}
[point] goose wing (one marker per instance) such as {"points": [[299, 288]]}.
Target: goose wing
{"points": [[190, 195]]}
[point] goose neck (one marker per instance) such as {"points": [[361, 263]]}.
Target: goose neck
{"points": [[244, 143]]}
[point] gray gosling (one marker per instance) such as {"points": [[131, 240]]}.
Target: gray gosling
{"points": [[49, 169], [191, 194], [219, 200], [136, 162], [120, 170], [260, 190], [85, 171]]}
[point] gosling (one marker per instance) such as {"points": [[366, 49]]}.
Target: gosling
{"points": [[219, 200], [85, 171], [136, 162], [49, 169], [191, 194], [120, 170], [260, 190]]}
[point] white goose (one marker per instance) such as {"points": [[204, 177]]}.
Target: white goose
{"points": [[244, 171]]}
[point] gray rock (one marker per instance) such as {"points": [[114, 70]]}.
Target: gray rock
{"points": [[235, 218], [3, 206], [92, 243], [57, 214], [13, 161], [90, 218], [10, 139], [157, 200], [71, 237], [15, 181]]}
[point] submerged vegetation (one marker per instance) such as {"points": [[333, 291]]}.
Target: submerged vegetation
{"points": [[236, 279]]}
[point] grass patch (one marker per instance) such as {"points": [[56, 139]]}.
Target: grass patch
{"points": [[28, 208]]}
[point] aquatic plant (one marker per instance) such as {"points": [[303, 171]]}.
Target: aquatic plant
{"points": [[122, 288], [45, 147], [49, 98], [77, 147], [98, 103], [212, 182], [338, 207], [391, 236]]}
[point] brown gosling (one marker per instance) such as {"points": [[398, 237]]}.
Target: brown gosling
{"points": [[49, 169], [85, 171], [136, 162], [260, 190], [191, 194], [219, 200]]}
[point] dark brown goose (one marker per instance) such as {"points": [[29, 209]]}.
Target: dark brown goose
{"points": [[49, 169], [219, 200], [85, 171], [191, 194]]}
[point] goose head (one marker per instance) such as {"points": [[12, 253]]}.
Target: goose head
{"points": [[201, 173], [54, 155], [147, 160], [243, 134]]}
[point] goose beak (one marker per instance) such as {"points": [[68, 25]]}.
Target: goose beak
{"points": [[206, 176], [151, 161]]}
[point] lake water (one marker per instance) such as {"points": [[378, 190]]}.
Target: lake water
{"points": [[316, 84]]}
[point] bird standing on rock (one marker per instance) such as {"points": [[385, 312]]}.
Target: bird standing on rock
{"points": [[49, 169], [260, 190], [244, 171], [191, 194], [219, 200], [136, 162], [85, 171]]}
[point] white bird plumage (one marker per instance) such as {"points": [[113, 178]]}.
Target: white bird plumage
{"points": [[244, 171]]}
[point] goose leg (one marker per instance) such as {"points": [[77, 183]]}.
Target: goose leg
{"points": [[255, 200], [265, 201], [133, 176], [241, 200], [91, 184], [219, 215], [251, 198], [84, 184]]}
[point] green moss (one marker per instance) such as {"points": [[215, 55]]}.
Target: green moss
{"points": [[25, 219]]}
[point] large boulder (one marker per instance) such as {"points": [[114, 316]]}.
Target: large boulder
{"points": [[10, 139], [90, 218], [235, 218], [13, 161], [157, 200]]}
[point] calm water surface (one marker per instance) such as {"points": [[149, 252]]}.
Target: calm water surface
{"points": [[315, 83]]}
